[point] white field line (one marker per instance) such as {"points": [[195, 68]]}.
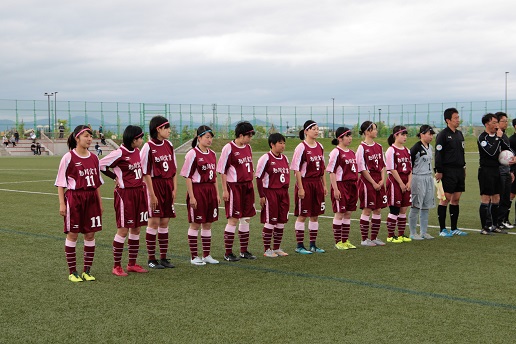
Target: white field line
{"points": [[184, 204], [30, 181]]}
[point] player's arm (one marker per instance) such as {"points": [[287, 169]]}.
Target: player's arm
{"points": [[62, 204], [189, 189], [299, 181], [100, 201], [333, 181], [259, 186], [225, 191], [153, 199], [323, 179], [174, 192], [397, 178]]}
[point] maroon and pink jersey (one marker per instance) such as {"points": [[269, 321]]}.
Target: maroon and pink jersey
{"points": [[79, 173], [398, 159], [308, 160], [343, 163], [158, 159], [370, 158], [236, 163], [200, 166], [126, 165], [274, 171]]}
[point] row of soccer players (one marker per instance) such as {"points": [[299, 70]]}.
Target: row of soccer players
{"points": [[146, 184]]}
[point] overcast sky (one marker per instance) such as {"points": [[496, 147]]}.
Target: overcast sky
{"points": [[258, 52]]}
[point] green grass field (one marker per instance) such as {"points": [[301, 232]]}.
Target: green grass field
{"points": [[457, 290]]}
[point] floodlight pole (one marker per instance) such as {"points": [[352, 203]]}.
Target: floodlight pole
{"points": [[55, 107], [48, 95], [379, 115], [506, 91], [333, 112]]}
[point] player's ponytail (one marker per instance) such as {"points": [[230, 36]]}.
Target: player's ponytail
{"points": [[308, 124], [339, 133], [395, 131], [201, 131], [72, 139]]}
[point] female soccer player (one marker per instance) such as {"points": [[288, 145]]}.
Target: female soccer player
{"points": [[81, 204], [159, 167], [310, 190], [399, 180], [342, 168], [371, 190], [203, 197], [422, 183], [131, 206], [272, 180], [236, 168]]}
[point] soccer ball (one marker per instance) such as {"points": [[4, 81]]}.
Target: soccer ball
{"points": [[505, 157]]}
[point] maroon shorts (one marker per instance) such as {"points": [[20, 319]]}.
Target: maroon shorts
{"points": [[369, 197], [241, 200], [277, 204], [163, 189], [83, 213], [131, 207], [313, 203], [394, 195], [207, 207], [348, 197]]}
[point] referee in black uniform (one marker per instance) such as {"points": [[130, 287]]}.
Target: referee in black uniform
{"points": [[506, 178], [490, 144], [450, 168]]}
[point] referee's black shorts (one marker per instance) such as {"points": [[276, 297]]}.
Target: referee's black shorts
{"points": [[489, 180], [454, 179]]}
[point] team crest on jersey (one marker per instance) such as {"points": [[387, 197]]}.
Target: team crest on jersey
{"points": [[483, 143], [438, 147], [462, 144]]}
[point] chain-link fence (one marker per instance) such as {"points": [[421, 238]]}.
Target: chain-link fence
{"points": [[50, 115]]}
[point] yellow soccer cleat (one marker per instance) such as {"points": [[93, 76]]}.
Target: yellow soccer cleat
{"points": [[74, 277], [395, 239], [87, 276]]}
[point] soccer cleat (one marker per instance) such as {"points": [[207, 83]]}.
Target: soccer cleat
{"points": [[427, 236], [458, 232], [118, 271], [154, 264], [445, 233], [395, 239], [499, 230], [166, 263], [508, 225], [136, 268], [340, 246], [378, 242], [486, 232], [270, 253], [74, 277], [86, 276], [349, 245], [280, 252], [247, 255], [302, 250], [405, 238], [231, 257], [197, 261], [416, 237], [367, 242], [315, 249], [210, 260]]}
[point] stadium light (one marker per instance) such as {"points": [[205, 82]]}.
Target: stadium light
{"points": [[48, 95]]}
